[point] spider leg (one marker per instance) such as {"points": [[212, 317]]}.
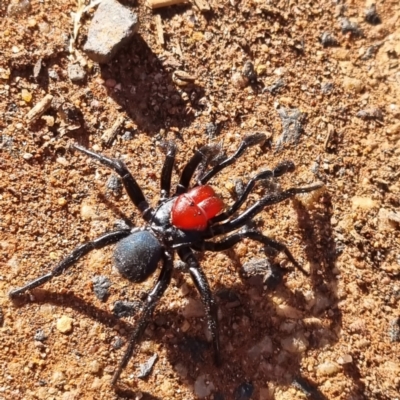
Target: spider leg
{"points": [[282, 168], [166, 172], [201, 155], [149, 305], [248, 141], [230, 241], [131, 186], [247, 215], [72, 258], [200, 280]]}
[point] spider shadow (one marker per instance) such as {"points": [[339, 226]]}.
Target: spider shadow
{"points": [[147, 92], [68, 299]]}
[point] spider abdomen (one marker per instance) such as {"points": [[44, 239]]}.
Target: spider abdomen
{"points": [[193, 210], [136, 257]]}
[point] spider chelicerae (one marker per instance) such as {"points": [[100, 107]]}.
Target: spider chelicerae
{"points": [[183, 223]]}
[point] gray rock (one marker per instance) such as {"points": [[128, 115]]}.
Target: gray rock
{"points": [[76, 73], [112, 27], [101, 284]]}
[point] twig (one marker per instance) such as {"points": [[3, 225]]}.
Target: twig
{"points": [[39, 109]]}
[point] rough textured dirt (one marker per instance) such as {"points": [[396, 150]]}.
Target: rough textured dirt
{"points": [[337, 331]]}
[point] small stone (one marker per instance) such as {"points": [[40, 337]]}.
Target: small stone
{"points": [[203, 387], [53, 74], [18, 7], [353, 85], [110, 83], [40, 336], [371, 15], [26, 95], [58, 378], [126, 308], [111, 28], [145, 368], [62, 201], [345, 359], [63, 161], [49, 119], [167, 389], [27, 156], [394, 330], [94, 367], [283, 310], [76, 73], [249, 72], [64, 324], [101, 284], [263, 347], [193, 309], [88, 212], [296, 343], [239, 81], [185, 326], [328, 368], [365, 203], [328, 40], [181, 370]]}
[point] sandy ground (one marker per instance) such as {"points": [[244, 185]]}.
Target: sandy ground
{"points": [[337, 109]]}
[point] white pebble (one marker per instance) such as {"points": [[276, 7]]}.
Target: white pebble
{"points": [[64, 324], [328, 368]]}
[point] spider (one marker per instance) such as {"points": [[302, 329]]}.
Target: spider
{"points": [[182, 223]]}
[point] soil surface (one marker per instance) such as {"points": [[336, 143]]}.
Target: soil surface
{"points": [[325, 90]]}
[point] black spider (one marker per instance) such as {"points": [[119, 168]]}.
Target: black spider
{"points": [[182, 222]]}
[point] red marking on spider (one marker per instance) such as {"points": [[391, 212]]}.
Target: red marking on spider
{"points": [[193, 210]]}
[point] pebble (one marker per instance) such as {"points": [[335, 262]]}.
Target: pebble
{"points": [[62, 201], [110, 83], [94, 367], [76, 73], [328, 368], [40, 336], [58, 378], [88, 212], [345, 359], [203, 387], [125, 308], [365, 203], [64, 324], [111, 28], [181, 370], [26, 95], [49, 119], [63, 161], [101, 284], [263, 347], [27, 156], [328, 40], [239, 81], [193, 308], [296, 343], [18, 7], [284, 310], [353, 84], [145, 368]]}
